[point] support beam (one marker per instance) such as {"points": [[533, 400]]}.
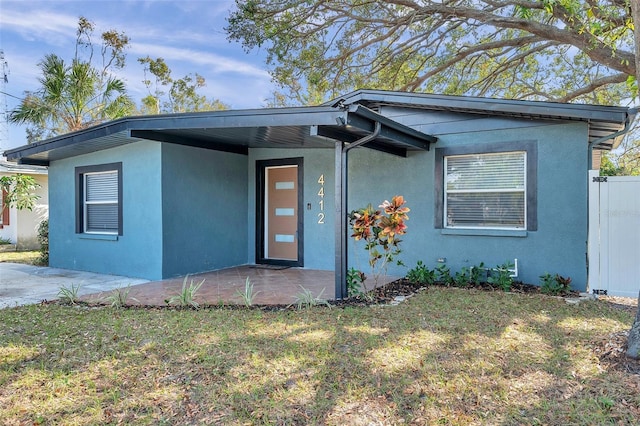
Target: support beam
{"points": [[159, 136], [340, 238], [342, 232]]}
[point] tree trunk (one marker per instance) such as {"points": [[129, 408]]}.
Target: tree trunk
{"points": [[633, 342], [635, 17]]}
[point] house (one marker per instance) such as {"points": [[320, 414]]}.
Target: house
{"points": [[487, 180], [21, 226]]}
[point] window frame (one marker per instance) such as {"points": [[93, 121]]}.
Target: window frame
{"points": [[529, 147], [81, 204]]}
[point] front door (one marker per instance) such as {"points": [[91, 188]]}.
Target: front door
{"points": [[280, 227]]}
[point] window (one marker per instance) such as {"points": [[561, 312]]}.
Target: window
{"points": [[99, 199], [485, 190]]}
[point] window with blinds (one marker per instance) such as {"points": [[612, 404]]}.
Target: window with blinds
{"points": [[485, 191], [101, 202]]}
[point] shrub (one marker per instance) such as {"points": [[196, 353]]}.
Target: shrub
{"points": [[43, 240], [355, 282], [248, 294], [186, 297], [501, 276], [421, 275], [443, 274], [305, 299], [380, 230], [462, 278], [554, 285], [477, 274], [69, 295], [118, 297]]}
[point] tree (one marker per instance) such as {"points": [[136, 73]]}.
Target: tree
{"points": [[561, 50], [633, 344], [625, 160], [18, 191], [77, 94], [167, 95]]}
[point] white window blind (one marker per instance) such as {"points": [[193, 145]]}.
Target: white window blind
{"points": [[486, 191], [101, 202]]}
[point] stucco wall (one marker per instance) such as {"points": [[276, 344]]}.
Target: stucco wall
{"points": [[188, 210], [557, 246], [136, 253], [204, 208]]}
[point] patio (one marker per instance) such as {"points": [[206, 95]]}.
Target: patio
{"points": [[271, 286]]}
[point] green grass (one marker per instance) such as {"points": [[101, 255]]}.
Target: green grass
{"points": [[446, 356], [28, 257]]}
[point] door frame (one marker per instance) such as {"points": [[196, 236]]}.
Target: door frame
{"points": [[261, 166]]}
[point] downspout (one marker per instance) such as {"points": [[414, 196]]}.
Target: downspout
{"points": [[341, 236]]}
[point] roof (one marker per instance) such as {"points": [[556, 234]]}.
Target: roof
{"points": [[605, 122], [234, 131], [7, 167], [348, 119]]}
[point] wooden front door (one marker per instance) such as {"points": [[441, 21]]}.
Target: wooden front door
{"points": [[281, 224]]}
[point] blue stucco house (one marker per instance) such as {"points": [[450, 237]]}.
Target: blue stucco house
{"points": [[487, 180]]}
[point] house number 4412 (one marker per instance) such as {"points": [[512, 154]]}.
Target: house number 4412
{"points": [[321, 200]]}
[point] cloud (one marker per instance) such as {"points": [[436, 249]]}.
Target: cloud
{"points": [[216, 64], [36, 25]]}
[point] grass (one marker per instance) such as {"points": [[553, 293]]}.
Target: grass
{"points": [[28, 257], [446, 356]]}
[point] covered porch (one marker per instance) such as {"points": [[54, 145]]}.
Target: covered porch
{"points": [[272, 285]]}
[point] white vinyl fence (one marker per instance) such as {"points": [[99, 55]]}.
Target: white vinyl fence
{"points": [[614, 235]]}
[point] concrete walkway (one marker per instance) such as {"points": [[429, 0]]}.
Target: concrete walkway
{"points": [[27, 284]]}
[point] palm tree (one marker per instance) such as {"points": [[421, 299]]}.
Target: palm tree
{"points": [[71, 97]]}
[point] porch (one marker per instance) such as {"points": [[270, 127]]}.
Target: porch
{"points": [[271, 286]]}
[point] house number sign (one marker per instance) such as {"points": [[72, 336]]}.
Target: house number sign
{"points": [[321, 199]]}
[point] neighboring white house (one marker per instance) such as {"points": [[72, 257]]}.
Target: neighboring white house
{"points": [[21, 226]]}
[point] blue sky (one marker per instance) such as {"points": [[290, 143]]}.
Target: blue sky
{"points": [[188, 34]]}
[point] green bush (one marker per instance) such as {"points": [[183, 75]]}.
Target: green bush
{"points": [[443, 274], [421, 275], [501, 276], [355, 282], [554, 285], [43, 240]]}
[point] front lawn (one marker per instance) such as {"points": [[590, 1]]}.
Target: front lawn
{"points": [[446, 356], [28, 257]]}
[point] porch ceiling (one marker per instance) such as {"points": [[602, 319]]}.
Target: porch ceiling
{"points": [[234, 131]]}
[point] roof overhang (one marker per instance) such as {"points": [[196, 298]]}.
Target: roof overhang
{"points": [[234, 131], [13, 168], [607, 124]]}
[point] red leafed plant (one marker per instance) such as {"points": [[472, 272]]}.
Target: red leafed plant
{"points": [[380, 230]]}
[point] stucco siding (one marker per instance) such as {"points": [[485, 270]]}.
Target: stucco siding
{"points": [[138, 251], [204, 208], [557, 246]]}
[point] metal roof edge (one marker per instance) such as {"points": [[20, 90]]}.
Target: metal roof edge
{"points": [[144, 121], [607, 113]]}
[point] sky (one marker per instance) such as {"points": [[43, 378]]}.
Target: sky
{"points": [[188, 34]]}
